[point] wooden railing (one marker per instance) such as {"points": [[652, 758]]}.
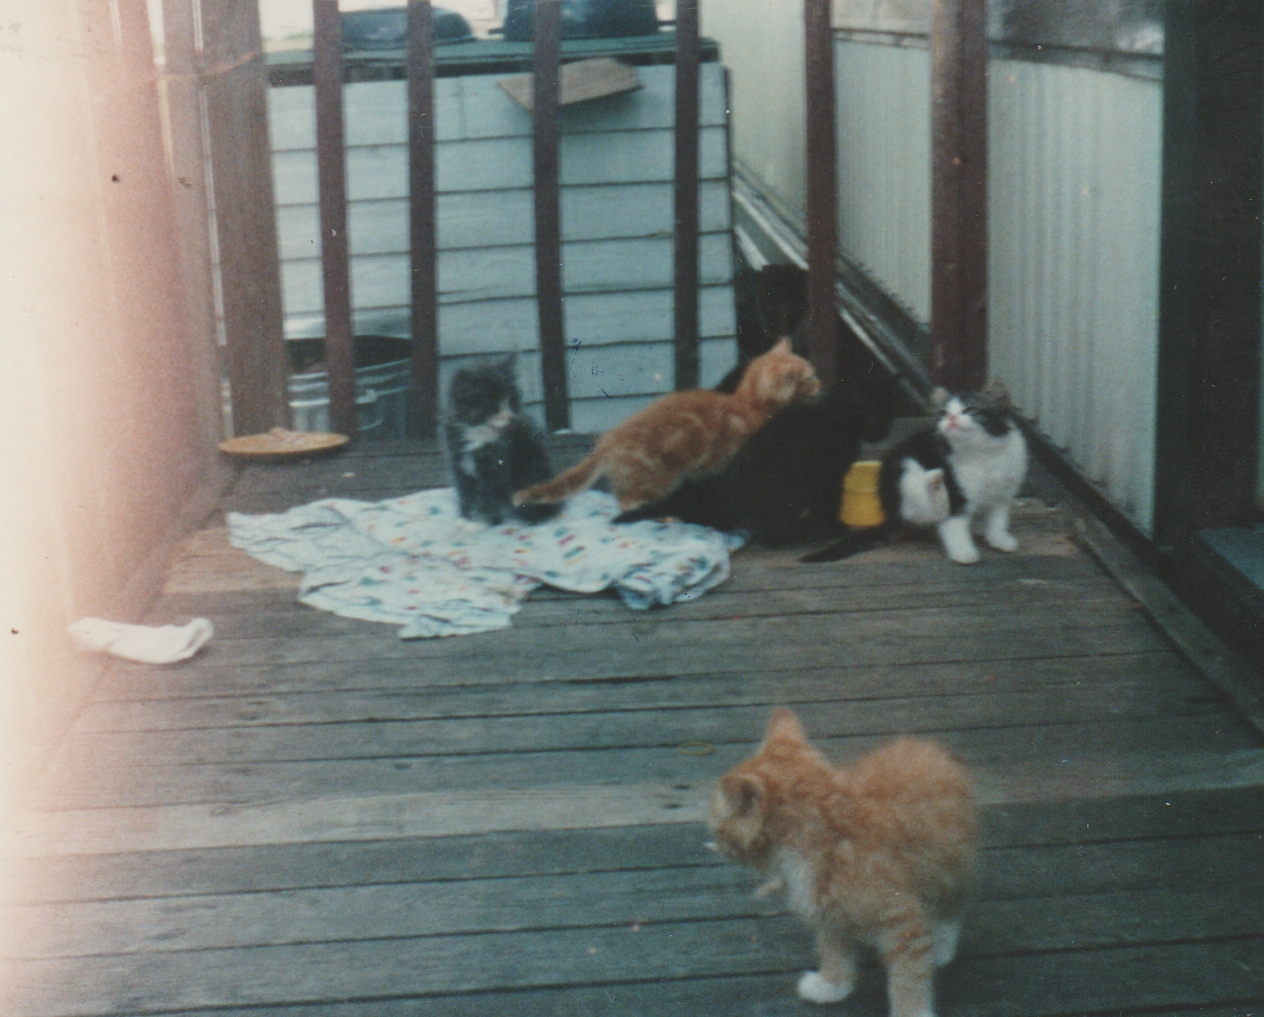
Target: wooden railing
{"points": [[328, 78], [959, 262]]}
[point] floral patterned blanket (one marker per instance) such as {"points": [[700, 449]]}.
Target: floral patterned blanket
{"points": [[416, 563]]}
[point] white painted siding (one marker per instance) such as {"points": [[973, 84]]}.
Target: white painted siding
{"points": [[617, 225], [1074, 190]]}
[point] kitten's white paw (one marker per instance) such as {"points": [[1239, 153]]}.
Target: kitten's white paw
{"points": [[815, 989], [1003, 541], [964, 554], [958, 544]]}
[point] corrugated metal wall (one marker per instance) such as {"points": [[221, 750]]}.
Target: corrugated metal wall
{"points": [[1074, 165], [1074, 189]]}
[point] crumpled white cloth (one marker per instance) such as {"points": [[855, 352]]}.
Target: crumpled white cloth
{"points": [[149, 644], [416, 563]]}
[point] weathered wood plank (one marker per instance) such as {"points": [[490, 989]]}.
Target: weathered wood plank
{"points": [[174, 712], [876, 638], [408, 673], [997, 923], [279, 695], [1106, 843], [1148, 975], [248, 786], [388, 737], [764, 995], [1089, 597]]}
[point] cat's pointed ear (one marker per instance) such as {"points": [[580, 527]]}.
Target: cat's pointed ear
{"points": [[996, 396], [939, 399], [784, 725], [934, 479], [782, 345], [744, 793]]}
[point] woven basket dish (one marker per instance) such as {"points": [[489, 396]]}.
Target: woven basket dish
{"points": [[280, 442]]}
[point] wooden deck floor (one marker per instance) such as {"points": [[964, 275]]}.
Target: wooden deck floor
{"points": [[316, 819]]}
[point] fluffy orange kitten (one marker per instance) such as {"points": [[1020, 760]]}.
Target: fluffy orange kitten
{"points": [[880, 853], [683, 434]]}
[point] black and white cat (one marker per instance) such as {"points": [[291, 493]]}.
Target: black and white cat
{"points": [[969, 466], [492, 448]]}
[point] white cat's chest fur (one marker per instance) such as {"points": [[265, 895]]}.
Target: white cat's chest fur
{"points": [[477, 435], [991, 472], [799, 881]]}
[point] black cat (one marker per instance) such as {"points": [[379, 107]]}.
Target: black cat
{"points": [[493, 449]]}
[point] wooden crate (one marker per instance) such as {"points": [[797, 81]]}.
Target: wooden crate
{"points": [[617, 227]]}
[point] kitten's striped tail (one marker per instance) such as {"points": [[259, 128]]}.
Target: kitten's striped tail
{"points": [[561, 487], [853, 543]]}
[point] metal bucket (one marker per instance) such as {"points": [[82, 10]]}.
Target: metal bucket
{"points": [[382, 391]]}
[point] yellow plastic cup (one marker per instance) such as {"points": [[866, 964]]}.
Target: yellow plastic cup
{"points": [[861, 505]]}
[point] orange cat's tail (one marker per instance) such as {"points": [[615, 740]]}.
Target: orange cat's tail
{"points": [[561, 487]]}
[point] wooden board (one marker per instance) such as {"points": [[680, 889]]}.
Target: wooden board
{"points": [[1051, 750], [1010, 981], [388, 735], [665, 894], [582, 81], [1095, 843]]}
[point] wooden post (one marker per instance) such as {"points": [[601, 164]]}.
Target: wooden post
{"points": [[822, 194], [959, 53], [182, 82], [234, 86], [686, 174], [331, 171], [421, 214], [548, 214]]}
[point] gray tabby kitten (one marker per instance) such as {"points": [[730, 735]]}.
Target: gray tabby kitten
{"points": [[493, 449]]}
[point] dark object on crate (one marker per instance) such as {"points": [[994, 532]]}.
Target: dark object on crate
{"points": [[586, 19], [388, 29], [383, 386]]}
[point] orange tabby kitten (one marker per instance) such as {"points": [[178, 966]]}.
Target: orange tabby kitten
{"points": [[880, 853], [683, 434]]}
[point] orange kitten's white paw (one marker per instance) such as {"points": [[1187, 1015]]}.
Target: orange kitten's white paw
{"points": [[771, 887], [815, 989]]}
